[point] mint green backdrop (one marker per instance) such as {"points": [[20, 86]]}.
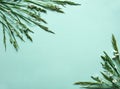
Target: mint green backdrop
{"points": [[72, 54]]}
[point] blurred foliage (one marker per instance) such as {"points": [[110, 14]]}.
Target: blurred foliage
{"points": [[111, 73], [16, 17]]}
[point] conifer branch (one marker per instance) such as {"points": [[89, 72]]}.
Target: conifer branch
{"points": [[16, 17], [111, 73]]}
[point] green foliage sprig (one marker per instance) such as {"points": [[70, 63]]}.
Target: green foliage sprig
{"points": [[16, 17], [111, 73]]}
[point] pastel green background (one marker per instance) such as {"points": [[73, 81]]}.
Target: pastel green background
{"points": [[72, 54]]}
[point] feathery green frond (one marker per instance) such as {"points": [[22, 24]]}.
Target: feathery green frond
{"points": [[111, 73], [17, 16]]}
